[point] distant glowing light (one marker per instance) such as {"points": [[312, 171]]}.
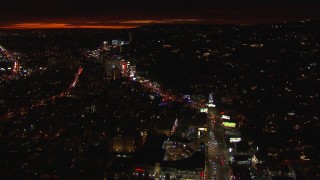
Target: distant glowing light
{"points": [[139, 169], [63, 26], [156, 21]]}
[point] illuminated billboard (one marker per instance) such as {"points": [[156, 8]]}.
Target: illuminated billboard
{"points": [[204, 110], [202, 129], [201, 132], [211, 105], [229, 124], [235, 139], [225, 117]]}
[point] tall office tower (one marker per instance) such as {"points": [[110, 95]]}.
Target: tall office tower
{"points": [[211, 102], [124, 68], [112, 67], [105, 46], [115, 73], [132, 72], [104, 51], [130, 37]]}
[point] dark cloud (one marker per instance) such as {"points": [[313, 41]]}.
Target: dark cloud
{"points": [[113, 11]]}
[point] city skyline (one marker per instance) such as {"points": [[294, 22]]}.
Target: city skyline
{"points": [[161, 102], [125, 14]]}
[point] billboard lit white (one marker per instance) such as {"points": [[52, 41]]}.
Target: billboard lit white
{"points": [[204, 110], [233, 139], [225, 117]]}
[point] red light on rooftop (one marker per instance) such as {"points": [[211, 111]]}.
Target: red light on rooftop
{"points": [[139, 169], [222, 112], [202, 174]]}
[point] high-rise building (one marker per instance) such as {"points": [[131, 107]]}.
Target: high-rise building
{"points": [[132, 72], [130, 37], [124, 68], [105, 46], [104, 51], [211, 101], [112, 67]]}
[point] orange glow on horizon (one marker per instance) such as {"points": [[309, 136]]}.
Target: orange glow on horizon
{"points": [[160, 21], [62, 26]]}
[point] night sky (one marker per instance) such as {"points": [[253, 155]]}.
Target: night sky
{"points": [[132, 13]]}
